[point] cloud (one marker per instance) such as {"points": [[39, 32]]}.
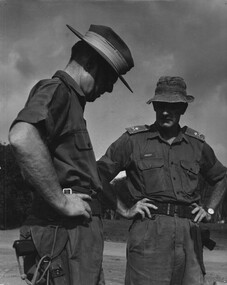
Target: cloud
{"points": [[186, 38], [25, 66]]}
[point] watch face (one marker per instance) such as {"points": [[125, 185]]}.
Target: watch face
{"points": [[210, 211]]}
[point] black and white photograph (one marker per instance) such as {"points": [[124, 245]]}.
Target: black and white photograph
{"points": [[113, 142]]}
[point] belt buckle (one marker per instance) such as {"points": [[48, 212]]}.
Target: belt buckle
{"points": [[168, 209], [67, 191], [171, 210]]}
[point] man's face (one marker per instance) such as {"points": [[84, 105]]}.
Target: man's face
{"points": [[168, 114], [99, 79]]}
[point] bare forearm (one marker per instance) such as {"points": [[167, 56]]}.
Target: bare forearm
{"points": [[121, 208], [35, 162], [217, 194]]}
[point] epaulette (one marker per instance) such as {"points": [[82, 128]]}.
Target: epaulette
{"points": [[192, 133], [137, 129]]}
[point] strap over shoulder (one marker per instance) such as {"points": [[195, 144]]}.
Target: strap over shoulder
{"points": [[195, 134], [137, 129]]}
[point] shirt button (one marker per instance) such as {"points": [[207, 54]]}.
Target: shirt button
{"points": [[89, 144], [171, 162], [174, 178]]}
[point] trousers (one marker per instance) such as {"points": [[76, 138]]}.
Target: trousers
{"points": [[162, 251], [79, 262]]}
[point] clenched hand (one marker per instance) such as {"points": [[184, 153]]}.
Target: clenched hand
{"points": [[77, 205]]}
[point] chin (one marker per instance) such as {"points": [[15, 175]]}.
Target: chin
{"points": [[92, 97]]}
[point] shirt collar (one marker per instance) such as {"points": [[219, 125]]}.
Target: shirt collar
{"points": [[65, 77], [181, 136], [154, 132], [183, 130]]}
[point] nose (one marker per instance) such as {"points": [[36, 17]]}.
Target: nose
{"points": [[165, 112]]}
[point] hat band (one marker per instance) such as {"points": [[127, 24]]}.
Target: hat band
{"points": [[170, 89], [105, 47]]}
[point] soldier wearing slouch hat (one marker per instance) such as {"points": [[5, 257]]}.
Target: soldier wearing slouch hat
{"points": [[52, 145]]}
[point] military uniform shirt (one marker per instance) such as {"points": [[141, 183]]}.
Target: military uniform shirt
{"points": [[55, 106], [160, 171]]}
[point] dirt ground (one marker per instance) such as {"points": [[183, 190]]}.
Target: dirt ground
{"points": [[114, 261]]}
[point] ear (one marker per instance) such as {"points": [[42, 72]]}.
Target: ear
{"points": [[184, 108], [90, 63], [154, 106]]}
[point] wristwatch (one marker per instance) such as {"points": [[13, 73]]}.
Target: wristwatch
{"points": [[210, 211]]}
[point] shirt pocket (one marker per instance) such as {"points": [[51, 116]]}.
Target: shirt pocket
{"points": [[153, 175], [82, 140], [189, 176]]}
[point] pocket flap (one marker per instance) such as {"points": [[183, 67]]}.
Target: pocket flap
{"points": [[190, 166], [82, 140], [151, 163]]}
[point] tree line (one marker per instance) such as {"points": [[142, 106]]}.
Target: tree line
{"points": [[16, 198]]}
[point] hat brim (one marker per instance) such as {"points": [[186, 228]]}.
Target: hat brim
{"points": [[170, 98], [80, 36]]}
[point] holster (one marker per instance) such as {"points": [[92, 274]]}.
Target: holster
{"points": [[198, 246], [206, 240], [45, 256], [50, 241]]}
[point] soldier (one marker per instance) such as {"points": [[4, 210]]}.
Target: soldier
{"points": [[53, 148], [163, 162]]}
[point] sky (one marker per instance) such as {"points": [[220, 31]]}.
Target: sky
{"points": [[186, 38]]}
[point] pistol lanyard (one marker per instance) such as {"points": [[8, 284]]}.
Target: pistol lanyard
{"points": [[45, 262]]}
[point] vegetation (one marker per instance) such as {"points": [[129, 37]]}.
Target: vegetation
{"points": [[15, 196], [117, 230], [120, 186]]}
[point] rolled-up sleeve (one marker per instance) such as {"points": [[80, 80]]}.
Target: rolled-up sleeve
{"points": [[115, 159], [46, 106], [109, 165], [211, 168]]}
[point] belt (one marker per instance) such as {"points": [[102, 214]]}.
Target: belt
{"points": [[182, 211], [42, 210], [94, 203]]}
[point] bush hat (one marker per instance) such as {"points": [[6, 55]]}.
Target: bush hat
{"points": [[110, 46], [171, 90]]}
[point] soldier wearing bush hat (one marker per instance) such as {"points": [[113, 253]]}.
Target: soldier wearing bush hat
{"points": [[163, 163], [172, 90], [52, 145]]}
